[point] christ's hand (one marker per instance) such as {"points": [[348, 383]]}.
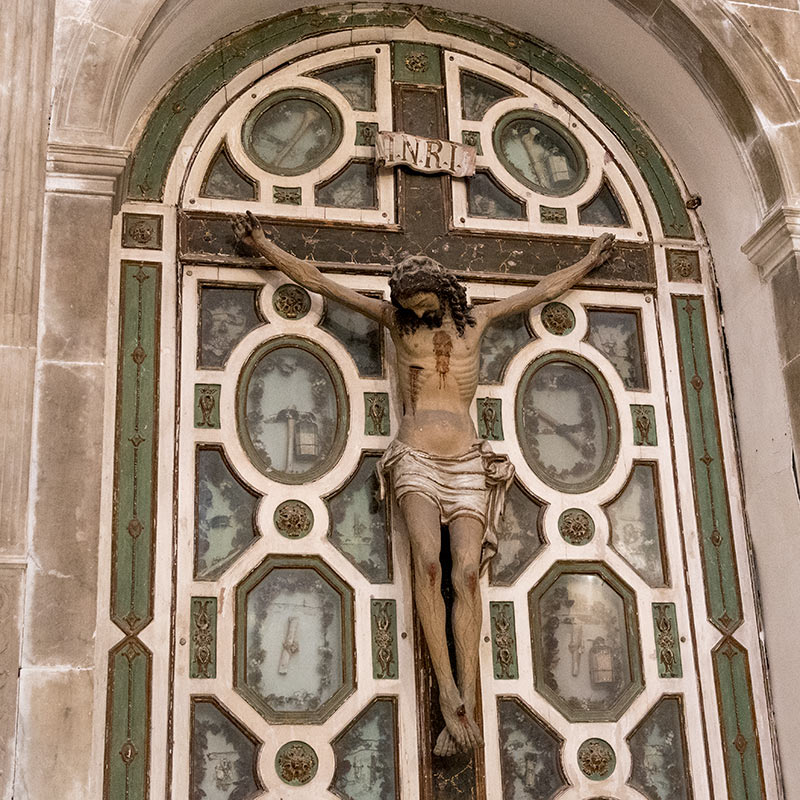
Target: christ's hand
{"points": [[248, 230], [601, 248]]}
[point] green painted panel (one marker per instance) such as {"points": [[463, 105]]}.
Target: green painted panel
{"points": [[644, 425], [490, 418], [383, 614], [128, 722], [376, 414], [504, 641], [206, 405], [416, 63], [159, 142], [723, 597], [136, 447], [668, 648], [203, 644], [743, 765]]}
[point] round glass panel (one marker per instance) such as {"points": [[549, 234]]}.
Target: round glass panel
{"points": [[292, 410], [540, 152], [566, 422], [292, 132]]}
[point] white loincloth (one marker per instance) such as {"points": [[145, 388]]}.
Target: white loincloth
{"points": [[473, 484]]}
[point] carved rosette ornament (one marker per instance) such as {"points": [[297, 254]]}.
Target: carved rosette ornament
{"points": [[296, 763], [558, 319], [597, 759], [576, 526], [416, 62], [293, 519], [291, 302]]}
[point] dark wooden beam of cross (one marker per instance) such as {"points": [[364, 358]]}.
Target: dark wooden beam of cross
{"points": [[424, 227]]}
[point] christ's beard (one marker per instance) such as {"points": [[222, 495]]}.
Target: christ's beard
{"points": [[433, 319]]}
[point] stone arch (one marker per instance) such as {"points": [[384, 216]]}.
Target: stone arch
{"points": [[119, 56]]}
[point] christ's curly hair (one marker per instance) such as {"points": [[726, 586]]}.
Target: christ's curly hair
{"points": [[422, 274]]}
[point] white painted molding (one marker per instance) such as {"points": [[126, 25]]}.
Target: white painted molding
{"points": [[86, 169], [775, 241]]}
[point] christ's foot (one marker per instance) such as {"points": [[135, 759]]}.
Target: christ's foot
{"points": [[460, 725], [445, 745]]}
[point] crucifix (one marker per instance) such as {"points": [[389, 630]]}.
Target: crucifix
{"points": [[437, 337]]}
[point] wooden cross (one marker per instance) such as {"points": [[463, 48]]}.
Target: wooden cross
{"points": [[425, 214]]}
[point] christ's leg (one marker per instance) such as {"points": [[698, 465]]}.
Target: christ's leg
{"points": [[466, 534], [424, 529]]}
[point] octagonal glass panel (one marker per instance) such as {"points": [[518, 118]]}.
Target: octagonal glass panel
{"points": [[292, 410], [585, 639], [294, 655], [567, 422]]}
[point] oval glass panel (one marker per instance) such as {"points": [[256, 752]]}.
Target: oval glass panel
{"points": [[292, 410], [566, 422], [292, 132], [540, 152]]}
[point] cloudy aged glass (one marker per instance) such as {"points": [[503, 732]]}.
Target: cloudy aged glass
{"points": [[567, 423], [292, 131], [292, 410], [224, 515], [635, 523], [540, 152]]}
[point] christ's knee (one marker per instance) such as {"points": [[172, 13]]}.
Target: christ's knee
{"points": [[428, 570], [465, 581]]}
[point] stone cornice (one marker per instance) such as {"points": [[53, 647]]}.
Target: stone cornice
{"points": [[775, 241], [86, 169]]}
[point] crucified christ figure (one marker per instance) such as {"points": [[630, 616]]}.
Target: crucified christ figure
{"points": [[439, 471]]}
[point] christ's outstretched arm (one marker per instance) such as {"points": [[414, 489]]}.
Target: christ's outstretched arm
{"points": [[248, 229], [550, 287]]}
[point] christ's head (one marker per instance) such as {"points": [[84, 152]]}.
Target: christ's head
{"points": [[422, 290]]}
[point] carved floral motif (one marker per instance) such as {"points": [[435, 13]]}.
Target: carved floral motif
{"points": [[291, 302], [596, 759], [558, 319], [576, 526], [293, 519], [296, 763]]}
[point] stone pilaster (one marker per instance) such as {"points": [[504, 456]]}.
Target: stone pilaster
{"points": [[57, 675], [26, 31]]}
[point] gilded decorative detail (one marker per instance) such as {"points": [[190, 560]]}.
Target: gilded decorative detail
{"points": [[206, 405], [293, 519], [597, 759], [296, 763], [644, 425], [376, 409], [683, 265], [555, 216], [416, 62], [558, 319], [576, 526], [504, 641], [143, 231], [490, 418], [291, 301], [203, 650], [366, 132], [384, 639], [473, 139], [668, 651], [287, 195]]}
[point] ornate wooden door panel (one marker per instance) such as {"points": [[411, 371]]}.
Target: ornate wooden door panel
{"points": [[261, 633]]}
